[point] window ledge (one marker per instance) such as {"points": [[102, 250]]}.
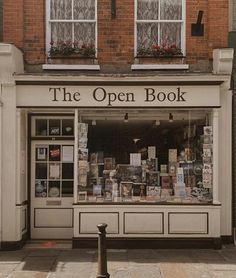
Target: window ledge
{"points": [[159, 66], [70, 67]]}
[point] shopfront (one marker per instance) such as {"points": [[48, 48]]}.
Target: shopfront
{"points": [[144, 156]]}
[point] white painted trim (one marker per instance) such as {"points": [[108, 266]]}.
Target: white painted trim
{"points": [[182, 21], [1, 168], [76, 144], [159, 67], [47, 26], [215, 123], [70, 67], [48, 22], [96, 29], [18, 155], [194, 77], [183, 34]]}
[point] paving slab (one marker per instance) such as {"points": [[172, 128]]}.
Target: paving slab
{"points": [[36, 264], [224, 274], [6, 269], [28, 274]]}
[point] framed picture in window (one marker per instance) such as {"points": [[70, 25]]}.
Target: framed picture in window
{"points": [[82, 196]]}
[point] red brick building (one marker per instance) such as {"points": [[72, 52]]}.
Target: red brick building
{"points": [[114, 111]]}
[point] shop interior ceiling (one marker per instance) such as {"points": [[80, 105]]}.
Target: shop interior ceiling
{"points": [[114, 114]]}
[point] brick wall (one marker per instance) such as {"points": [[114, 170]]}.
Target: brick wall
{"points": [[1, 20], [26, 29]]}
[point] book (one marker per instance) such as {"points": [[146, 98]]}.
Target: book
{"points": [[135, 159], [108, 163], [83, 154], [163, 168], [82, 128], [172, 155], [93, 170], [152, 164], [136, 191], [172, 168], [126, 172], [151, 152], [93, 158], [179, 190], [153, 191], [82, 196], [97, 190], [126, 190], [153, 178], [208, 130], [165, 182]]}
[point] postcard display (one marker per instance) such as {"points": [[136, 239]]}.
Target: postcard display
{"points": [[184, 179]]}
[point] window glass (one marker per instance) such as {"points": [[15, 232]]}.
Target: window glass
{"points": [[84, 9], [159, 24], [160, 156], [147, 9], [79, 29], [54, 171]]}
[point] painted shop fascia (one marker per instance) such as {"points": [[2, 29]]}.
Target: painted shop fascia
{"points": [[27, 99], [118, 96]]}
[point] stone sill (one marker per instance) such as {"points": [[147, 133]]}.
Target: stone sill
{"points": [[70, 67], [160, 67]]}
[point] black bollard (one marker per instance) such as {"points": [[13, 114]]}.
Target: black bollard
{"points": [[102, 252]]}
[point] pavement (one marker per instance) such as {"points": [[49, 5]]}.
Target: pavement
{"points": [[51, 260]]}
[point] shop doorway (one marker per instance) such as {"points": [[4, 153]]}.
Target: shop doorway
{"points": [[51, 178]]}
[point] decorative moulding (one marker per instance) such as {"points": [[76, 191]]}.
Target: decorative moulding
{"points": [[223, 60], [70, 67]]}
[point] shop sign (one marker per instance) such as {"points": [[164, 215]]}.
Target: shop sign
{"points": [[118, 96]]}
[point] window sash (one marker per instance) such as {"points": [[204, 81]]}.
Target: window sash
{"points": [[72, 21], [159, 22]]}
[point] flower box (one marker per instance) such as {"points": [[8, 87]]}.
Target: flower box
{"points": [[72, 60], [160, 54], [160, 60]]}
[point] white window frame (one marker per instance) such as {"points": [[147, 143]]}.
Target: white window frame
{"points": [[49, 21], [182, 21]]}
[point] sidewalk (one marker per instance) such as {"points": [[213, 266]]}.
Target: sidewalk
{"points": [[62, 262]]}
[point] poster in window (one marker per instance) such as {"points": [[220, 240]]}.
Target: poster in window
{"points": [[41, 153], [67, 153], [54, 171], [54, 152], [40, 188]]}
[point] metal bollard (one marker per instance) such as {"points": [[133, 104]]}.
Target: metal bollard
{"points": [[102, 252]]}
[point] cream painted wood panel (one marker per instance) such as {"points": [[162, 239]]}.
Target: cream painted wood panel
{"points": [[143, 223], [188, 223], [88, 222], [53, 218]]}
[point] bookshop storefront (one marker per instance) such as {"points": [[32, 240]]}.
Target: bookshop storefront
{"points": [[144, 156]]}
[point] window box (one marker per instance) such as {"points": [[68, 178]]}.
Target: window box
{"points": [[72, 60], [180, 59]]}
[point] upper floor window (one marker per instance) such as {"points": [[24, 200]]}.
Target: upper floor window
{"points": [[71, 25], [159, 23]]}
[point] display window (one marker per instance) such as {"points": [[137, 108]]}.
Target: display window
{"points": [[136, 155], [145, 156]]}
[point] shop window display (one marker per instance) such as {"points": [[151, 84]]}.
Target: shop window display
{"points": [[139, 161]]}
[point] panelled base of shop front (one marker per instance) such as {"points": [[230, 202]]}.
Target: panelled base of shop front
{"points": [[148, 226]]}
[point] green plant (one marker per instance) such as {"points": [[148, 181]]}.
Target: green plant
{"points": [[163, 50], [62, 48]]}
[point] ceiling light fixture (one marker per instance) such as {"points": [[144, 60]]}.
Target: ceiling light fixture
{"points": [[171, 118], [94, 122], [126, 118], [157, 122]]}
